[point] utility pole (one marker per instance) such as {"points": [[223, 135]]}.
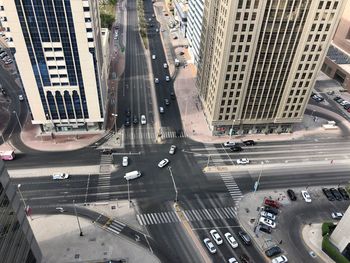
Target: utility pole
{"points": [[76, 214], [256, 184], [115, 121], [128, 192], [174, 184], [19, 123]]}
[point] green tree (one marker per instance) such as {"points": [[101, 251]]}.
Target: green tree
{"points": [[106, 20]]}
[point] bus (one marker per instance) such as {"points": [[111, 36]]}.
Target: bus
{"points": [[7, 155]]}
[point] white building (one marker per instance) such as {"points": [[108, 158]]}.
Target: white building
{"points": [[194, 27], [58, 52]]}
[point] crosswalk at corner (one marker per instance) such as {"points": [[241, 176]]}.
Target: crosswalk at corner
{"points": [[115, 227], [105, 163], [168, 133], [232, 187]]}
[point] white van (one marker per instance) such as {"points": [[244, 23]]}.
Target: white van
{"points": [[132, 175]]}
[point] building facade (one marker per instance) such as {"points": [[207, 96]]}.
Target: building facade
{"points": [[341, 235], [194, 27], [58, 52], [180, 15], [17, 242], [260, 59]]}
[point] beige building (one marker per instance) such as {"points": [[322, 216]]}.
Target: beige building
{"points": [[341, 235], [58, 51], [260, 59]]}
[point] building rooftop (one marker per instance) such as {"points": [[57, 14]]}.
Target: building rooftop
{"points": [[337, 55]]}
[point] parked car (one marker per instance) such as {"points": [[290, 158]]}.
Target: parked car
{"points": [[274, 251], [268, 215], [291, 194], [172, 149], [306, 196], [265, 228], [125, 162], [280, 259], [163, 163], [267, 222], [236, 149], [60, 176], [336, 194], [210, 246], [243, 161], [328, 194], [344, 102], [272, 203], [245, 237], [231, 240], [343, 192], [232, 260], [216, 236], [249, 142], [337, 215], [271, 210], [229, 144]]}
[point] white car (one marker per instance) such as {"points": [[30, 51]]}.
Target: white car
{"points": [[143, 119], [163, 163], [60, 176], [306, 196], [161, 109], [167, 78], [268, 215], [280, 259], [337, 215], [165, 65], [232, 260], [243, 161], [153, 56], [231, 240], [210, 246], [343, 103], [157, 30], [172, 149], [216, 236], [20, 97], [229, 144], [125, 161], [267, 222], [156, 80]]}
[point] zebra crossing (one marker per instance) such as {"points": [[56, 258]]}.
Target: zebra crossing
{"points": [[105, 163], [232, 187], [190, 215], [115, 227]]}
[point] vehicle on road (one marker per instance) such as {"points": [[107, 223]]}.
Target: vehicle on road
{"points": [[163, 163], [236, 149], [166, 102], [7, 155], [292, 195], [229, 144], [271, 210], [135, 120], [244, 258], [343, 192], [243, 161], [153, 57], [156, 80], [132, 175], [249, 142], [267, 222], [127, 122], [143, 120], [274, 251], [268, 215], [306, 196], [157, 30], [125, 162], [161, 109], [210, 246], [172, 149], [60, 176], [232, 260], [231, 240], [328, 194], [245, 237], [127, 112], [107, 151], [337, 215], [20, 97], [280, 259], [265, 228], [167, 78], [336, 194], [216, 236], [165, 65], [172, 96], [272, 203]]}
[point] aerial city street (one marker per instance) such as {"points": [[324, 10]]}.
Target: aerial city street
{"points": [[175, 131]]}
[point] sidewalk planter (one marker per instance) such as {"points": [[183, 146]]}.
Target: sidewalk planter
{"points": [[332, 251], [327, 228]]}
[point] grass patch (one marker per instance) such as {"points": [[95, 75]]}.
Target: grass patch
{"points": [[332, 251]]}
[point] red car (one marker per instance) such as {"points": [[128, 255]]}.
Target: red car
{"points": [[272, 203]]}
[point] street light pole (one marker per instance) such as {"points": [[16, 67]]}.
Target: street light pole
{"points": [[20, 193], [75, 211], [128, 192], [19, 123], [174, 184], [208, 160], [256, 185], [233, 123], [115, 121]]}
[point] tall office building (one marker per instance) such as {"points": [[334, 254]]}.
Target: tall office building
{"points": [[260, 60], [57, 48], [194, 27], [17, 242]]}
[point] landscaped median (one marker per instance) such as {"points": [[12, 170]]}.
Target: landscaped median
{"points": [[328, 247], [142, 22]]}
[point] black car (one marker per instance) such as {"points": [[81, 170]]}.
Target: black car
{"points": [[127, 112], [336, 98], [274, 251], [271, 210], [166, 102], [127, 122], [107, 151], [336, 194], [346, 106], [291, 194], [244, 258], [135, 120], [249, 142], [172, 96], [245, 237], [328, 194], [265, 228], [343, 192], [236, 149]]}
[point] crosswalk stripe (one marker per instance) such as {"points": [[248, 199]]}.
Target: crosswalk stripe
{"points": [[167, 216], [196, 212], [146, 219], [187, 214], [209, 216], [216, 216], [150, 219], [164, 218], [225, 213], [218, 212], [184, 213], [204, 215]]}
